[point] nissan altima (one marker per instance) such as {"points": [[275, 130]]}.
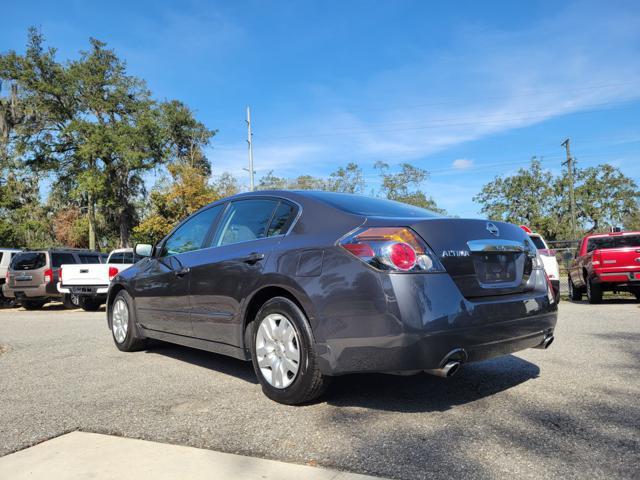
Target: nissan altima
{"points": [[309, 285]]}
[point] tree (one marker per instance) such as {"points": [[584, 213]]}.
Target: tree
{"points": [[604, 197], [96, 128], [404, 186], [271, 182], [533, 196], [349, 179], [523, 198]]}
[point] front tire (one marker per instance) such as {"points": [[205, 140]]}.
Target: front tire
{"points": [[122, 321], [283, 354], [594, 292]]}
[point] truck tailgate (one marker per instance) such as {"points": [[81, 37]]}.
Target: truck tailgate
{"points": [[85, 274]]}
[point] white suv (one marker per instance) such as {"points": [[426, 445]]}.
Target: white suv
{"points": [[548, 259]]}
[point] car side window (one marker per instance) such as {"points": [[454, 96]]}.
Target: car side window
{"points": [[282, 219], [192, 233], [245, 220]]}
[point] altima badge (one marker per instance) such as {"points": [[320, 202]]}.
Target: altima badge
{"points": [[455, 253], [493, 230]]}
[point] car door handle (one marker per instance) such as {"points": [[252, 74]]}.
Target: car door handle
{"points": [[252, 258], [182, 272]]}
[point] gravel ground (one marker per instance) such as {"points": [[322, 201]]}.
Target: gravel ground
{"points": [[569, 412]]}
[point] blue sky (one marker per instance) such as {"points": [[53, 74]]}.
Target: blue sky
{"points": [[466, 90]]}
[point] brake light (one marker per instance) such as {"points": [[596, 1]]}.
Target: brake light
{"points": [[48, 276], [113, 271], [525, 228], [597, 258], [392, 248], [547, 252]]}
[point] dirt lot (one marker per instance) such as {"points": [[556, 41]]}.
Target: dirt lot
{"points": [[569, 412]]}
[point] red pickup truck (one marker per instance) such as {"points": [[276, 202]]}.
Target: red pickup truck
{"points": [[605, 262]]}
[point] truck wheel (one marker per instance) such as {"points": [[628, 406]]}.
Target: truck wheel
{"points": [[574, 293], [71, 300], [90, 304], [636, 292], [594, 292], [32, 304]]}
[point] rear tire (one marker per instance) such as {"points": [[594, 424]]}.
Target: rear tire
{"points": [[122, 322], [575, 295], [307, 383], [636, 292], [32, 304], [90, 304], [71, 301], [594, 292]]}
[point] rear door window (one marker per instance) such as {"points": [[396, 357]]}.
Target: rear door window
{"points": [[29, 261], [244, 221], [282, 218], [58, 259]]}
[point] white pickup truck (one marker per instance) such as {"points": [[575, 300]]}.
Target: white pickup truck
{"points": [[87, 284]]}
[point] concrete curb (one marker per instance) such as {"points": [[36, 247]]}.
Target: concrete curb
{"points": [[80, 455]]}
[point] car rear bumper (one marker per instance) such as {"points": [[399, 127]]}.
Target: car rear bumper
{"points": [[632, 277], [85, 290], [37, 292], [427, 318]]}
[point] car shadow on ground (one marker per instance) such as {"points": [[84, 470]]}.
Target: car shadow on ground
{"points": [[608, 301], [426, 393], [415, 393], [213, 361]]}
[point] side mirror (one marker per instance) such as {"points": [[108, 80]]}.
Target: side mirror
{"points": [[143, 249]]}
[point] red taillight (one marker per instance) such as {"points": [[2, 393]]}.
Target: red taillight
{"points": [[402, 256], [113, 271], [597, 258], [391, 248], [547, 252], [48, 276]]}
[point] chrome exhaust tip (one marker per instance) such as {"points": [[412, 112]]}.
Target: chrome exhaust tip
{"points": [[546, 343], [449, 370]]}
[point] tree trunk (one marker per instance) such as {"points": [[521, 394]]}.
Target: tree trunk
{"points": [[124, 229], [92, 223]]}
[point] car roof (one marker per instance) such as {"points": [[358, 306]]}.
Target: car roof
{"points": [[121, 250], [10, 249], [611, 234]]}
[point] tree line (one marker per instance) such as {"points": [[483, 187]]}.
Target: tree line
{"points": [[604, 197]]}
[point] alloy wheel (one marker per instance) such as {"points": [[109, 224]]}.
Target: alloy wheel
{"points": [[278, 350], [120, 320]]}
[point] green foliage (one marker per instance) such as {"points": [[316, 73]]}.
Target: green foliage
{"points": [[95, 128], [404, 186], [533, 196]]}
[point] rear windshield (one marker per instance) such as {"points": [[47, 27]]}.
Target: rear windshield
{"points": [[538, 242], [374, 207], [28, 261], [617, 241], [58, 259], [89, 258]]}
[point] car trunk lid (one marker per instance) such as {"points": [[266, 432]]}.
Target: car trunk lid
{"points": [[483, 258], [27, 270]]}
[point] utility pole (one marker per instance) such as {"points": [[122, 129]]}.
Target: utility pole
{"points": [[572, 199], [250, 143]]}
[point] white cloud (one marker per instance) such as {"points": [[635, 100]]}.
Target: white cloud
{"points": [[462, 164]]}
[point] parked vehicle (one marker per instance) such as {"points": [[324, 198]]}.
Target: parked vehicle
{"points": [[605, 262], [33, 275], [6, 254], [308, 285], [548, 259], [89, 283]]}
